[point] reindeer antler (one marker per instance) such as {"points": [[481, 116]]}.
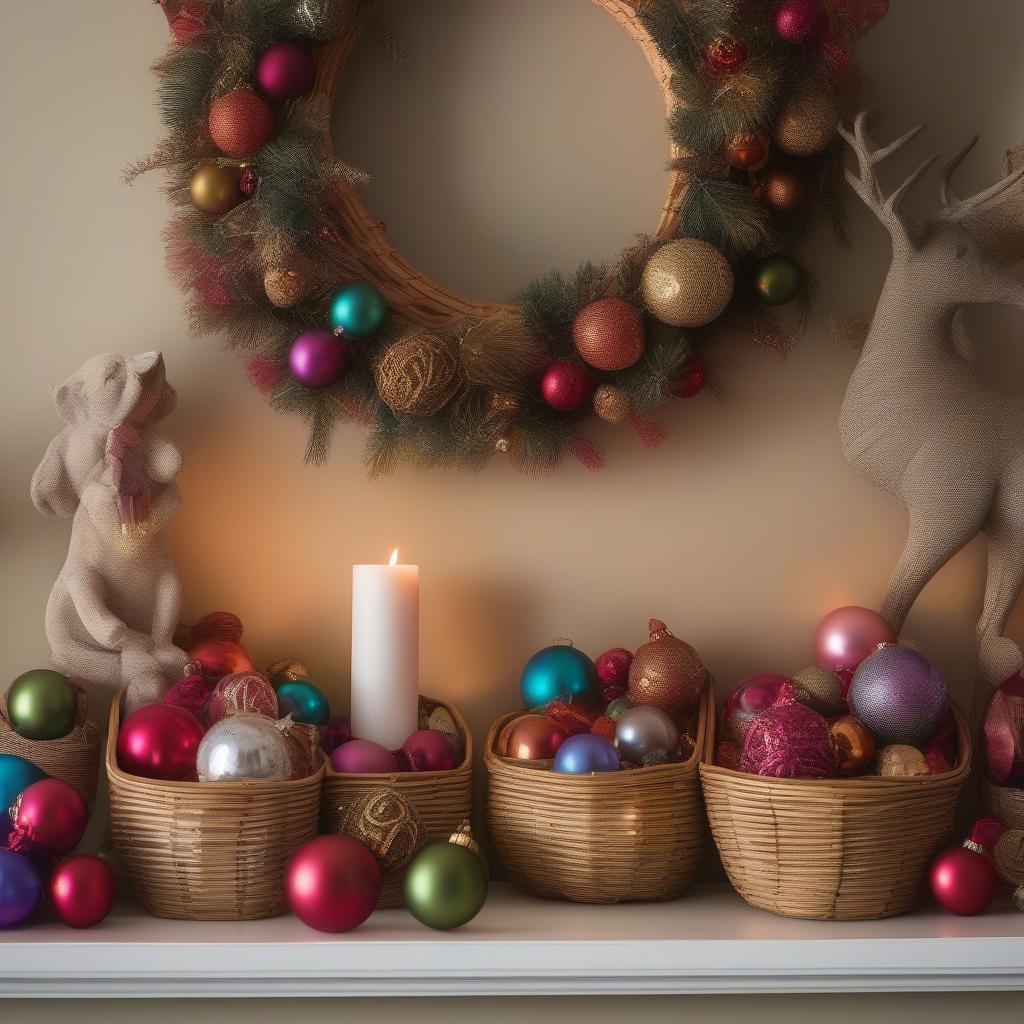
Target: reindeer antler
{"points": [[954, 208]]}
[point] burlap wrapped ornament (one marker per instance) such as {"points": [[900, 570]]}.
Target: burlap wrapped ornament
{"points": [[389, 826], [286, 286], [501, 353], [666, 672], [440, 720], [808, 121], [901, 761], [304, 751], [419, 374], [287, 670], [612, 404], [1009, 856], [821, 689], [687, 283], [609, 334]]}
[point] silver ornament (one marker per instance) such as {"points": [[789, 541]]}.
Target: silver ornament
{"points": [[642, 731], [244, 747]]}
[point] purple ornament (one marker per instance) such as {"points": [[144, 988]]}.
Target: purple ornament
{"points": [[317, 358], [21, 888], [285, 71], [363, 757], [584, 754], [899, 696]]}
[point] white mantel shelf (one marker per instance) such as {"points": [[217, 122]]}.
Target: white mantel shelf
{"points": [[709, 942]]}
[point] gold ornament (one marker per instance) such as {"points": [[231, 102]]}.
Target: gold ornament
{"points": [[215, 188], [808, 122], [666, 673], [287, 670], [419, 374], [502, 353], [748, 151], [389, 826], [285, 286], [303, 742], [1009, 856], [441, 720], [784, 191], [612, 404], [687, 283], [609, 334], [463, 836], [899, 761], [822, 690]]}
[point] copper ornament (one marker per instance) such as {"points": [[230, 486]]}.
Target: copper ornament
{"points": [[783, 191], [748, 151], [389, 826], [687, 283], [419, 374], [900, 760], [534, 738], [303, 743], [667, 672], [612, 404], [808, 122], [285, 286], [853, 744], [609, 334]]}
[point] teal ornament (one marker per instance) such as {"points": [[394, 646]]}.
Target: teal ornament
{"points": [[358, 311], [304, 701], [16, 775], [559, 671], [777, 280]]}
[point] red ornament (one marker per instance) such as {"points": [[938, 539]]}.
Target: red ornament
{"points": [[191, 693], [725, 55], [429, 750], [83, 890], [573, 718], [613, 668], [609, 334], [604, 726], [248, 181], [964, 880], [219, 658], [160, 741], [242, 691], [846, 636], [566, 385], [1004, 733], [801, 21], [692, 378], [333, 884], [215, 626], [241, 123], [49, 818], [285, 70], [534, 738], [789, 741]]}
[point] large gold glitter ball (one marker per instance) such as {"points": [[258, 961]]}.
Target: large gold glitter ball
{"points": [[821, 689], [808, 122], [215, 189], [609, 333], [388, 825], [612, 404], [687, 283], [667, 672], [285, 286], [900, 761], [419, 374]]}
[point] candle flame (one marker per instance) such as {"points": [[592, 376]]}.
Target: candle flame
{"points": [[394, 557]]}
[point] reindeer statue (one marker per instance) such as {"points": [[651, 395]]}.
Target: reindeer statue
{"points": [[920, 421]]}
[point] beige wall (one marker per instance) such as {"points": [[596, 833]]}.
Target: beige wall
{"points": [[740, 531]]}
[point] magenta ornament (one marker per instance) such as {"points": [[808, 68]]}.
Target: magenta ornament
{"points": [[750, 696], [801, 21], [789, 741], [317, 359], [429, 750], [284, 71], [1004, 733], [846, 636], [363, 757]]}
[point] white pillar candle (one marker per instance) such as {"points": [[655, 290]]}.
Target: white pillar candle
{"points": [[385, 651]]}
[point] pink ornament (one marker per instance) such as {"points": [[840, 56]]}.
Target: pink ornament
{"points": [[429, 750], [242, 691], [363, 757], [333, 884], [317, 359], [1004, 733], [613, 668], [334, 734], [566, 385], [789, 741], [846, 636], [49, 818], [750, 696], [83, 890], [160, 741], [801, 21], [191, 693], [285, 71]]}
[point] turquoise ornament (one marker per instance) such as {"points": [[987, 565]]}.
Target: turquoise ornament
{"points": [[558, 671], [303, 701], [358, 311], [16, 775]]}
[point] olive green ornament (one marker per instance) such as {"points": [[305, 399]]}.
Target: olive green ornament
{"points": [[446, 884], [777, 280], [42, 704]]}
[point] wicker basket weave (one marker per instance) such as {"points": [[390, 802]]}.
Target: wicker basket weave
{"points": [[444, 800], [605, 838], [208, 851], [832, 849], [1004, 802]]}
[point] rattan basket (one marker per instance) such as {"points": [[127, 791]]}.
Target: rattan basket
{"points": [[605, 838], [1003, 802], [208, 851], [444, 799], [832, 849]]}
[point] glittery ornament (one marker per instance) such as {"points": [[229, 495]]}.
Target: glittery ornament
{"points": [[604, 725], [566, 385], [747, 150], [752, 696], [618, 707], [725, 55], [241, 691], [692, 379], [248, 181], [801, 21], [573, 718], [192, 693], [853, 744], [336, 732], [899, 760], [687, 283], [808, 121], [285, 286], [613, 667], [821, 689], [783, 191], [1009, 856], [440, 720], [241, 123], [286, 670], [609, 334], [1004, 733], [389, 826], [666, 672], [613, 404], [728, 754], [790, 741], [418, 374], [777, 280], [215, 189]]}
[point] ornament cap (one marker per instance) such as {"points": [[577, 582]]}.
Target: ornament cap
{"points": [[463, 836], [658, 630]]}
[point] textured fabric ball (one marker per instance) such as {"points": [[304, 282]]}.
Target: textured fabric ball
{"points": [[389, 826], [687, 283], [419, 374], [285, 286], [808, 121], [604, 725], [215, 189], [241, 123], [613, 404], [336, 732], [613, 667], [241, 691], [609, 334], [317, 359], [192, 693], [666, 672], [566, 385], [821, 689], [440, 720], [789, 742], [901, 761], [303, 743], [285, 70]]}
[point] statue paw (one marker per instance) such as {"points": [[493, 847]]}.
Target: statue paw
{"points": [[998, 659], [147, 688], [171, 659]]}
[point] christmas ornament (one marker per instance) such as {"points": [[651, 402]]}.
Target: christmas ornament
{"points": [[789, 741], [1018, 898], [609, 334], [666, 672], [241, 691], [777, 280], [1008, 854], [613, 404], [750, 696], [16, 775], [604, 726], [49, 818], [853, 744], [801, 21], [83, 890], [159, 741], [585, 754], [285, 286], [534, 738], [643, 730], [284, 71], [441, 720], [729, 754], [216, 658], [899, 696], [446, 884], [304, 701], [502, 353], [556, 671], [244, 747], [317, 359], [419, 374], [783, 191], [303, 744], [285, 670], [846, 636], [42, 705], [212, 626], [618, 708], [821, 689], [336, 732], [612, 667], [358, 311], [964, 880], [192, 693], [725, 55], [808, 121], [1004, 733], [216, 189], [693, 376], [241, 123], [430, 751], [332, 884], [363, 757], [320, 20], [747, 151], [901, 761], [249, 181], [389, 826], [573, 718], [21, 890], [566, 385], [687, 283]]}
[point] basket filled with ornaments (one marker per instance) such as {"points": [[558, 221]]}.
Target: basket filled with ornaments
{"points": [[831, 790], [213, 789], [593, 791], [1003, 738], [44, 718]]}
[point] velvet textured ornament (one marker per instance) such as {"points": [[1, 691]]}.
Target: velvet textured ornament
{"points": [[687, 283], [846, 636], [83, 890], [821, 689], [21, 889], [389, 826], [750, 697], [808, 121], [609, 334], [801, 21], [333, 884], [901, 761], [284, 71], [748, 150], [789, 741], [692, 379], [777, 280], [586, 754], [363, 757], [241, 691], [216, 189], [534, 738], [853, 744], [1004, 733], [241, 123], [42, 704], [666, 672], [430, 751], [566, 385], [159, 741], [49, 818], [358, 310], [558, 671], [317, 359], [446, 884], [304, 701]]}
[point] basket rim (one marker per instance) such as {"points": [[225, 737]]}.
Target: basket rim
{"points": [[116, 775], [92, 731], [390, 778], [874, 783]]}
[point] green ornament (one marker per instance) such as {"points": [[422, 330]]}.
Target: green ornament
{"points": [[42, 705], [358, 311], [446, 884], [619, 707], [777, 280]]}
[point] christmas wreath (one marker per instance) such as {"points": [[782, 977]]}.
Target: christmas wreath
{"points": [[276, 251]]}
